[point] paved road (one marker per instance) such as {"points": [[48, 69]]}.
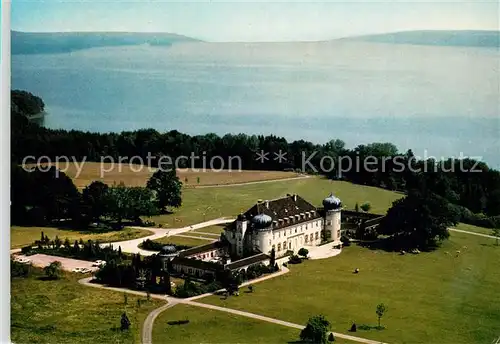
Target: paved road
{"points": [[131, 246], [250, 183]]}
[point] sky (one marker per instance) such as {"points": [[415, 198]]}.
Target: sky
{"points": [[254, 21]]}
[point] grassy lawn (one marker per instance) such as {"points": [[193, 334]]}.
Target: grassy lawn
{"points": [[205, 204], [474, 229], [137, 175], [201, 235], [212, 229], [210, 326], [177, 240], [64, 311], [431, 297], [22, 236]]}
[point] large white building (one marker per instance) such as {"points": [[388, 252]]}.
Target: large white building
{"points": [[285, 224]]}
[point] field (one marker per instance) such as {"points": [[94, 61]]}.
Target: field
{"points": [[209, 203], [435, 297], [211, 229], [210, 326], [64, 311], [137, 175], [22, 236], [177, 240]]}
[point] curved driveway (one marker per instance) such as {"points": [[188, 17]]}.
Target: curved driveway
{"points": [[131, 246]]}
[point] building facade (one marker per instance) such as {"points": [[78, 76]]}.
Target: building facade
{"points": [[285, 224]]}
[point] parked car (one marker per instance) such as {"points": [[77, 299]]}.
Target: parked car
{"points": [[23, 260], [85, 270], [99, 263], [77, 269]]}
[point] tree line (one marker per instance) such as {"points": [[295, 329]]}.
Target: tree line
{"points": [[41, 198], [475, 194]]}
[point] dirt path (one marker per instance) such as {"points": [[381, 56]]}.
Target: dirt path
{"points": [[132, 246], [276, 321], [472, 233], [250, 183]]}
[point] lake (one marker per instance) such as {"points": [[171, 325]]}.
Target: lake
{"points": [[438, 101]]}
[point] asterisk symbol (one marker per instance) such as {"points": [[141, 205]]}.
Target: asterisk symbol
{"points": [[280, 156], [262, 156]]}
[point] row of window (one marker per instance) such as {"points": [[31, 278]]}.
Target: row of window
{"points": [[301, 228]]}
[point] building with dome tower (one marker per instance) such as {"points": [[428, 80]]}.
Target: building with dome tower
{"points": [[284, 224]]}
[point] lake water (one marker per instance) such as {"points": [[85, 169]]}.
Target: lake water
{"points": [[439, 100]]}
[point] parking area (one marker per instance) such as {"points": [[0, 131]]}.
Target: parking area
{"points": [[68, 264]]}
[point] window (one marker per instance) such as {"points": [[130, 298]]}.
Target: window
{"points": [[317, 224], [279, 247], [290, 245], [305, 238], [295, 230], [269, 241], [190, 270], [284, 245], [211, 254], [274, 247], [312, 237], [306, 227], [316, 236], [338, 233]]}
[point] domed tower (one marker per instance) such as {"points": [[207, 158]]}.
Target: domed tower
{"points": [[333, 208], [262, 228]]}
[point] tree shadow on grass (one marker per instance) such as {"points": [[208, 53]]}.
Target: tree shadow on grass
{"points": [[178, 322], [370, 327]]}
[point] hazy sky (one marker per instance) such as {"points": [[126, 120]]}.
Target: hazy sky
{"points": [[254, 21]]}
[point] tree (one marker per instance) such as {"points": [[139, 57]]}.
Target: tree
{"points": [[366, 207], [272, 260], [123, 202], [381, 310], [53, 270], [124, 322], [94, 197], [420, 220], [303, 252], [168, 189], [496, 233], [331, 338], [316, 330], [356, 207], [57, 242]]}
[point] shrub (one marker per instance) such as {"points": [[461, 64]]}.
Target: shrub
{"points": [[26, 249], [19, 269], [345, 240], [53, 270], [303, 252], [294, 259]]}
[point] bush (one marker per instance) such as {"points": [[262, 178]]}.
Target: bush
{"points": [[26, 249], [53, 270], [148, 223], [294, 259], [303, 252], [345, 240], [19, 269]]}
